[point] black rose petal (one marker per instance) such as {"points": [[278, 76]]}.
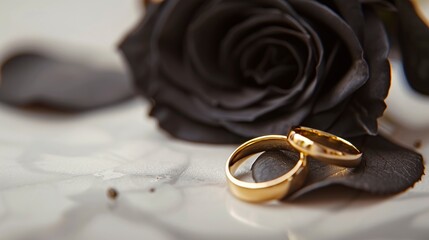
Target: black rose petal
{"points": [[204, 37], [386, 168], [414, 39], [357, 74], [181, 127], [31, 78], [366, 104], [254, 67], [352, 13], [141, 53], [272, 123], [241, 36]]}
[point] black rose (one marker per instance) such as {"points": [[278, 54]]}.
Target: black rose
{"points": [[224, 70]]}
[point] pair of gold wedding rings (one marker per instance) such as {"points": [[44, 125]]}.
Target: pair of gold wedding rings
{"points": [[320, 145]]}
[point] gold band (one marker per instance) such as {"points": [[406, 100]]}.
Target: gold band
{"points": [[269, 190], [325, 147]]}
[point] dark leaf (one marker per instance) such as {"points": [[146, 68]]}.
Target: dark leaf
{"points": [[386, 168], [273, 164], [414, 41], [34, 79]]}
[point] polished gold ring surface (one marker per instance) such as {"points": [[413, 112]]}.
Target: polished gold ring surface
{"points": [[324, 146], [269, 190]]}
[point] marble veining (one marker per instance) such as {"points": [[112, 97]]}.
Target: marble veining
{"points": [[52, 188]]}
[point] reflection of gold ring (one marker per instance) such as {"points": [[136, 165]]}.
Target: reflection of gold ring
{"points": [[324, 146], [269, 190]]}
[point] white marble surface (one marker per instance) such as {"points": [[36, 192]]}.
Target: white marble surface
{"points": [[55, 169]]}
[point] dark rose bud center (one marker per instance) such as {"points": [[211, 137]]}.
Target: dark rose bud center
{"points": [[272, 60], [258, 46]]}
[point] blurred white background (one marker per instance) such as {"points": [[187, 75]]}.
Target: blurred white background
{"points": [[86, 30]]}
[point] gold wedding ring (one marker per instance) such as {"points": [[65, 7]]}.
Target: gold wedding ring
{"points": [[325, 147], [320, 145], [270, 190]]}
